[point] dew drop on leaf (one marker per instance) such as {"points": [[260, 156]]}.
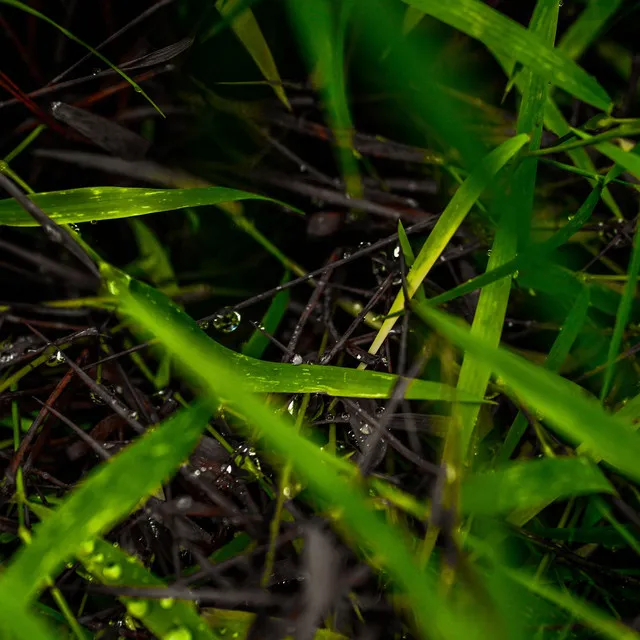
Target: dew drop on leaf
{"points": [[227, 320]]}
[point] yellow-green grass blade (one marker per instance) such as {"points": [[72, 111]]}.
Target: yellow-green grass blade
{"points": [[34, 12], [212, 374], [507, 37], [448, 223], [108, 495], [565, 407], [109, 203], [523, 485], [153, 260], [513, 208], [247, 29]]}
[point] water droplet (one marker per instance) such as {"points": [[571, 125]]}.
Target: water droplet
{"points": [[346, 254], [95, 71], [94, 222], [365, 430], [112, 572], [55, 106], [183, 503], [363, 245], [227, 320], [95, 398], [516, 275], [488, 252], [396, 252], [87, 547], [56, 359], [380, 411], [134, 415], [204, 324], [329, 417], [303, 168], [297, 359], [345, 416], [167, 603], [137, 88]]}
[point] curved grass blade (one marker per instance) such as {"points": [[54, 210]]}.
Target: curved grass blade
{"points": [[246, 27], [109, 494], [508, 38], [111, 203], [27, 9], [564, 405], [523, 485], [211, 372], [277, 377], [448, 223], [153, 260]]}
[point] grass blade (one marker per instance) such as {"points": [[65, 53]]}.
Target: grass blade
{"points": [[111, 203], [450, 220], [109, 494], [563, 405], [523, 485], [247, 29], [508, 38], [27, 9], [213, 374]]}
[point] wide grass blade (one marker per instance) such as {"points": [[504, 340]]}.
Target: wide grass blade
{"points": [[508, 38], [562, 404], [247, 29], [110, 203], [448, 223], [108, 495], [523, 485], [217, 378]]}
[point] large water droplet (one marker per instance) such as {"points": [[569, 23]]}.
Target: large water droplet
{"points": [[227, 320], [56, 359], [297, 359]]}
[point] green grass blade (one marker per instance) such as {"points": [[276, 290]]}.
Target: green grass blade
{"points": [[523, 485], [322, 33], [110, 203], [564, 405], [17, 622], [27, 9], [626, 159], [508, 38], [213, 374], [624, 311], [514, 209], [604, 625], [277, 377], [247, 29], [109, 494], [111, 566], [557, 355], [530, 257], [583, 31], [448, 223], [153, 260]]}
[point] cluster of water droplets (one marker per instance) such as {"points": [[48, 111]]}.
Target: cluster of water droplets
{"points": [[226, 321]]}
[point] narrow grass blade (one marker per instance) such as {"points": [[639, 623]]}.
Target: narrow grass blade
{"points": [[247, 29], [585, 29], [258, 342], [505, 36], [111, 203], [513, 208], [27, 9], [18, 622], [626, 159], [322, 32], [109, 494], [448, 223], [624, 311], [563, 405], [213, 374], [530, 258], [523, 485], [153, 260], [599, 621]]}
